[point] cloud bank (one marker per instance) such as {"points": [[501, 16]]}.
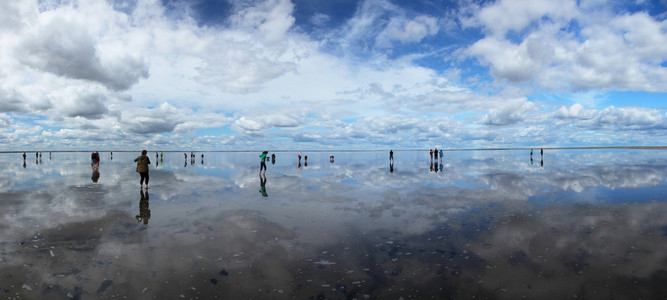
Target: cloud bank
{"points": [[367, 75]]}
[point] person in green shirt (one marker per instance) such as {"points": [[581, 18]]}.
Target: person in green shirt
{"points": [[262, 162]]}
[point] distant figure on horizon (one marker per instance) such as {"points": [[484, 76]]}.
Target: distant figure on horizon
{"points": [[431, 152], [331, 159], [391, 155], [273, 158], [111, 154], [441, 155], [23, 155], [185, 155], [299, 157], [541, 152], [305, 160], [142, 168], [262, 162], [435, 152]]}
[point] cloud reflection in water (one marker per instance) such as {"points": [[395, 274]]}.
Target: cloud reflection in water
{"points": [[586, 223]]}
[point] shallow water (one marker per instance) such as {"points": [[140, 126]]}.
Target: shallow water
{"points": [[488, 224]]}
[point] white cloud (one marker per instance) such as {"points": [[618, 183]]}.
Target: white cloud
{"points": [[407, 31], [511, 111], [505, 15], [604, 52]]}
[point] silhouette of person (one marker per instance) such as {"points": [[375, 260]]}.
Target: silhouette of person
{"points": [[112, 155], [435, 153], [299, 158], [142, 168], [391, 155], [262, 185], [541, 152], [436, 165], [23, 155], [441, 156], [273, 158], [144, 212], [331, 159]]}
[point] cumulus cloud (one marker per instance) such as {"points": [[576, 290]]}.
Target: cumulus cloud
{"points": [[621, 119], [408, 31], [62, 44], [559, 49], [162, 119], [257, 123], [510, 112]]}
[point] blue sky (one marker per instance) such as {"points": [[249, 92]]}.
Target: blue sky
{"points": [[337, 74]]}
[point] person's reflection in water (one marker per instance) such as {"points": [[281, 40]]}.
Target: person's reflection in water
{"points": [[262, 185], [299, 166], [202, 159], [144, 212], [436, 169], [96, 171], [157, 163], [431, 165], [391, 166], [441, 164], [273, 158], [24, 164], [542, 162]]}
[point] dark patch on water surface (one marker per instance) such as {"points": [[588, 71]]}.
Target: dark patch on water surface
{"points": [[224, 272], [104, 286]]}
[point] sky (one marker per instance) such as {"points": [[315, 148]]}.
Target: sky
{"points": [[204, 75]]}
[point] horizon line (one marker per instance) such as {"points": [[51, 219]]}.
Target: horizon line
{"points": [[367, 150]]}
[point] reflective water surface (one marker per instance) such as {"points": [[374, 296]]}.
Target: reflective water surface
{"points": [[486, 224]]}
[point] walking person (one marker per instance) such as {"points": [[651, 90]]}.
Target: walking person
{"points": [[262, 162], [142, 168]]}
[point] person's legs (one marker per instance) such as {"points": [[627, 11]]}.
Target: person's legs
{"points": [[147, 177]]}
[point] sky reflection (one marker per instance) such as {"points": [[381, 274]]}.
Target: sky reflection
{"points": [[585, 222]]}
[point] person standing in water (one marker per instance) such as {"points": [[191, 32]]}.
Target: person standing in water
{"points": [[262, 162], [142, 168], [391, 155]]}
